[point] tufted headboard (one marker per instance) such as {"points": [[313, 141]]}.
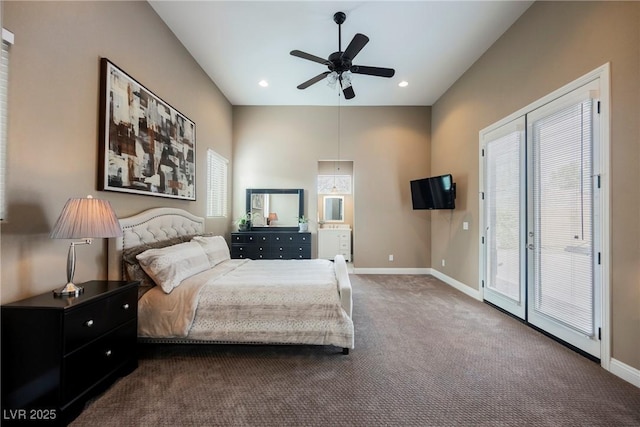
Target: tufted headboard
{"points": [[150, 226]]}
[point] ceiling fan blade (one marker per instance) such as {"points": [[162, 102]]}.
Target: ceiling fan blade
{"points": [[356, 45], [313, 80], [305, 55], [373, 71]]}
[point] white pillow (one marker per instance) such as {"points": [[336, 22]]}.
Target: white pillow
{"points": [[169, 266], [215, 247]]}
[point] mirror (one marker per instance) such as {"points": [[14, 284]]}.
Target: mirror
{"points": [[277, 209], [333, 208]]}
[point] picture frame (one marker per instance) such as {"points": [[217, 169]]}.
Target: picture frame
{"points": [[147, 147]]}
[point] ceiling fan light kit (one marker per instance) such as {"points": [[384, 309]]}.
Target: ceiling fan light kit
{"points": [[340, 63]]}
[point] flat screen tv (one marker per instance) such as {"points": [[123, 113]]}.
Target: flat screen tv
{"points": [[437, 192]]}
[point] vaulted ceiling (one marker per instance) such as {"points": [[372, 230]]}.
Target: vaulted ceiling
{"points": [[430, 44]]}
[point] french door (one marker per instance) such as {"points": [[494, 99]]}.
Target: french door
{"points": [[504, 203], [540, 217]]}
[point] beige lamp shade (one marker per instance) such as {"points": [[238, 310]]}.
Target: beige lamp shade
{"points": [[86, 218], [83, 219]]}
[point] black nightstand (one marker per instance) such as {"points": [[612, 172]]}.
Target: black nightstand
{"points": [[59, 352]]}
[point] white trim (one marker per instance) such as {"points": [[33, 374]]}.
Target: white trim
{"points": [[602, 71], [392, 271], [626, 372], [464, 288], [605, 214]]}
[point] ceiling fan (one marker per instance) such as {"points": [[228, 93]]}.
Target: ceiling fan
{"points": [[340, 63]]}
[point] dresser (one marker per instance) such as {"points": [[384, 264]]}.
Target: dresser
{"points": [[59, 352], [334, 241], [271, 245]]}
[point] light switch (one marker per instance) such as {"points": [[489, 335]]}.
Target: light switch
{"points": [[465, 225]]}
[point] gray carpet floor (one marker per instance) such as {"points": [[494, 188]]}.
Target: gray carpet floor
{"points": [[426, 355]]}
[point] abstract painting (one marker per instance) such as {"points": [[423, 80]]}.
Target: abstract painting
{"points": [[146, 146]]}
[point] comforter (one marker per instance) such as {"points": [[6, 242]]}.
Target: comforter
{"points": [[252, 301]]}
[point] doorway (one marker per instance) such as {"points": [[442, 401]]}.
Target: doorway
{"points": [[335, 209], [542, 222]]}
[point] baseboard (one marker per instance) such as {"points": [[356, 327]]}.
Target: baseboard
{"points": [[624, 371], [392, 271], [465, 289]]}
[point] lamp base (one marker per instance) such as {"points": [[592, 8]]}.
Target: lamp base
{"points": [[69, 290]]}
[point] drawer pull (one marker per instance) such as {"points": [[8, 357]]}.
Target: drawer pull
{"points": [[125, 307], [107, 353], [88, 323]]}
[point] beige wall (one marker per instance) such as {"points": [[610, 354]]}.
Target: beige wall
{"points": [[552, 44], [279, 147], [53, 125]]}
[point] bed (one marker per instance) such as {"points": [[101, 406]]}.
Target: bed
{"points": [[192, 292]]}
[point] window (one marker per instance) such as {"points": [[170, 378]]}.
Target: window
{"points": [[217, 173], [7, 41]]}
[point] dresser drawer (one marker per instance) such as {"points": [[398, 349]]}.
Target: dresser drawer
{"points": [[243, 251], [290, 238], [292, 252], [270, 245], [245, 237], [90, 364]]}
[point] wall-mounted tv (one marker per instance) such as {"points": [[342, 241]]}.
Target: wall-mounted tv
{"points": [[437, 192]]}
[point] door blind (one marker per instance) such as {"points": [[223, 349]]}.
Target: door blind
{"points": [[503, 214], [563, 216]]}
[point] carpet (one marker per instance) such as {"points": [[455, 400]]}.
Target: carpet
{"points": [[425, 355]]}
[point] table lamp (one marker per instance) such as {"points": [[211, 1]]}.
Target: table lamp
{"points": [[271, 218], [83, 219]]}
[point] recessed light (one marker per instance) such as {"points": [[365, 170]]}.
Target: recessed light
{"points": [[403, 83], [263, 83]]}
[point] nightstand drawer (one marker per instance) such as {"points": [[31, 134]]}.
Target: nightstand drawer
{"points": [[85, 324], [90, 364], [92, 320], [122, 307]]}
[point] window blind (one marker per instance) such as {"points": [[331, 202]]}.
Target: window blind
{"points": [[217, 179], [7, 40], [563, 228]]}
